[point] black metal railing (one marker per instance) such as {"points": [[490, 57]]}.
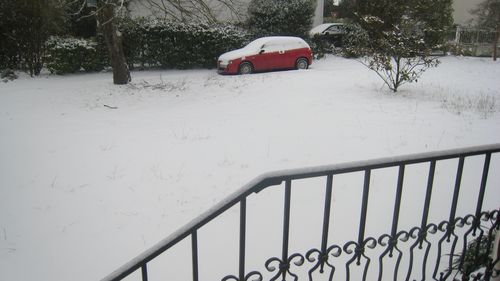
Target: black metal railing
{"points": [[462, 246]]}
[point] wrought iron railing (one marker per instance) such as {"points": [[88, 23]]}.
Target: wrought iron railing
{"points": [[462, 246]]}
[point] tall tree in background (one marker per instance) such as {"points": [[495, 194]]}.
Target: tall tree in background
{"points": [[487, 16], [106, 13], [25, 25], [401, 36]]}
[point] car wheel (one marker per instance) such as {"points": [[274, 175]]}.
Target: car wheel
{"points": [[246, 68], [302, 64]]}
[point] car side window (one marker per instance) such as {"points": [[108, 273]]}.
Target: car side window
{"points": [[334, 29], [272, 47]]}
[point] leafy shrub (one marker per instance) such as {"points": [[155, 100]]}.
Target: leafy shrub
{"points": [[69, 55], [321, 45], [168, 44], [355, 41], [280, 17]]}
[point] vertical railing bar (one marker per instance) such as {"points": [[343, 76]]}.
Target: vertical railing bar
{"points": [[286, 223], [482, 189], [456, 192], [243, 212], [479, 206], [397, 203], [423, 225], [450, 226], [194, 244], [428, 194], [326, 215], [364, 207], [144, 270], [425, 215]]}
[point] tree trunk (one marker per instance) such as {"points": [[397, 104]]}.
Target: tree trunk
{"points": [[113, 38]]}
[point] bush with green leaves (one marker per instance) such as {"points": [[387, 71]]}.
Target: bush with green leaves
{"points": [[69, 55], [280, 17], [402, 35], [169, 44]]}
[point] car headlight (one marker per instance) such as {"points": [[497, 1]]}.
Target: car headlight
{"points": [[224, 64]]}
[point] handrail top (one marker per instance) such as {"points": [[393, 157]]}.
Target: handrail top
{"points": [[277, 177]]}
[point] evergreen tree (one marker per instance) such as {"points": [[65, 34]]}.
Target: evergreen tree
{"points": [[280, 17]]}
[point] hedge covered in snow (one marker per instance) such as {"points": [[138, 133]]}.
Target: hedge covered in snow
{"points": [[69, 55], [168, 44], [148, 43]]}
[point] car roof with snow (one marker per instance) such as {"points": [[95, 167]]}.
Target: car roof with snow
{"points": [[289, 42], [273, 42], [323, 27]]}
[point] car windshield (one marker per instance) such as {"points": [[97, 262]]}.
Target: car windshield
{"points": [[256, 45]]}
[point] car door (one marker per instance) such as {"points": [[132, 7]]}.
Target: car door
{"points": [[283, 56], [291, 54], [270, 56]]}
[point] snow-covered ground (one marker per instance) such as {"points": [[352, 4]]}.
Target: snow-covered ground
{"points": [[91, 174]]}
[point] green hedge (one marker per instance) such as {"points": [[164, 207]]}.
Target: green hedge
{"points": [[149, 43], [168, 44], [69, 55]]}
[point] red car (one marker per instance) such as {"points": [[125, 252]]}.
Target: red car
{"points": [[267, 53]]}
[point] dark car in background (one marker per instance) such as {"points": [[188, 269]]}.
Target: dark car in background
{"points": [[332, 33]]}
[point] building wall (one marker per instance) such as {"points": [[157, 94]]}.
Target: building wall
{"points": [[461, 9], [318, 14], [138, 8]]}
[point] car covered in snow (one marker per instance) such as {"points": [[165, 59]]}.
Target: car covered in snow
{"points": [[334, 28], [332, 33], [267, 53]]}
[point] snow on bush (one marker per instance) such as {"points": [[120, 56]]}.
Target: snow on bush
{"points": [[279, 17], [170, 44], [69, 55], [149, 42]]}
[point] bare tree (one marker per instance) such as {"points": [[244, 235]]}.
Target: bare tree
{"points": [[197, 10], [106, 12]]}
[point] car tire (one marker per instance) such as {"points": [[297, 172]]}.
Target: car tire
{"points": [[245, 68], [301, 63]]}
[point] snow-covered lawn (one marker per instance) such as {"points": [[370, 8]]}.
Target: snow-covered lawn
{"points": [[91, 174]]}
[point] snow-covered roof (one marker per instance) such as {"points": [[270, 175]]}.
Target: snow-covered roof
{"points": [[258, 43]]}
